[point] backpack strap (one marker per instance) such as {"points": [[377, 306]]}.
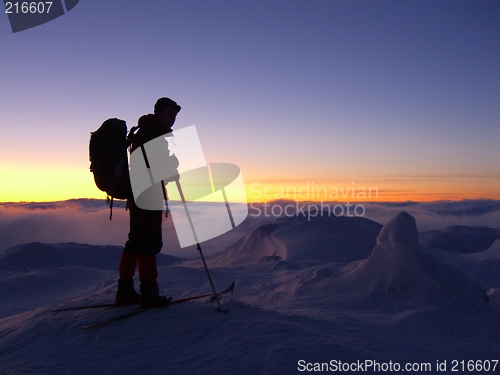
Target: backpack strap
{"points": [[131, 134], [110, 201]]}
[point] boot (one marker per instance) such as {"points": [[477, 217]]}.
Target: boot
{"points": [[150, 297], [126, 294]]}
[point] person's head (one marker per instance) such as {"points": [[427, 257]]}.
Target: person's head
{"points": [[166, 110]]}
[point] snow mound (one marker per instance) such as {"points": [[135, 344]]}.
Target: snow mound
{"points": [[398, 271], [323, 238], [460, 239], [41, 256], [492, 253]]}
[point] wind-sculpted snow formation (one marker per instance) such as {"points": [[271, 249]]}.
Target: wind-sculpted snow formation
{"points": [[398, 272], [323, 239]]}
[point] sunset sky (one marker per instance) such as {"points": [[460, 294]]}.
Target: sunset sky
{"points": [[401, 98]]}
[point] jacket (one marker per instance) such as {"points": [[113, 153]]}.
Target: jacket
{"points": [[150, 127]]}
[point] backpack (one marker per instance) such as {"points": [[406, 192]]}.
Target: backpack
{"points": [[109, 161]]}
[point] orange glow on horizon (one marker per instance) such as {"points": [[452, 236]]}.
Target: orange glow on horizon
{"points": [[400, 190], [43, 185]]}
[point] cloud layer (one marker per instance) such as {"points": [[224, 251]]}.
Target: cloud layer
{"points": [[87, 221]]}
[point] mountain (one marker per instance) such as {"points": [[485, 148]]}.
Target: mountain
{"points": [[460, 239], [493, 252], [397, 270], [321, 238], [38, 256], [484, 266]]}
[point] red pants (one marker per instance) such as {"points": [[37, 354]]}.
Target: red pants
{"points": [[144, 242], [147, 267]]}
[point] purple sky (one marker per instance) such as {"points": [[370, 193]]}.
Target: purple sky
{"points": [[376, 91]]}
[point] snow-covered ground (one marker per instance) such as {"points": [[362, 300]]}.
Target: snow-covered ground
{"points": [[333, 291]]}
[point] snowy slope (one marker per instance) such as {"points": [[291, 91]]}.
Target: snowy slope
{"points": [[397, 272], [493, 252], [484, 267], [324, 238], [382, 306], [460, 239], [32, 273], [42, 256]]}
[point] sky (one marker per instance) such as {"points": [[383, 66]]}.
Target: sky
{"points": [[401, 99]]}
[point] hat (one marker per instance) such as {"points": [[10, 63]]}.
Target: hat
{"points": [[164, 103]]}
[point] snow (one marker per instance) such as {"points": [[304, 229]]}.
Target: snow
{"points": [[461, 239], [322, 238], [493, 252], [344, 289]]}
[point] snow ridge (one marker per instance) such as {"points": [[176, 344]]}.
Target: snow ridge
{"points": [[397, 270], [323, 238]]}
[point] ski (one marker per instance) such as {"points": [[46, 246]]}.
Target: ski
{"points": [[92, 306], [113, 319], [229, 289], [113, 304]]}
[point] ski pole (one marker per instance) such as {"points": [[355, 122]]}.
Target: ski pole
{"points": [[198, 247], [231, 219]]}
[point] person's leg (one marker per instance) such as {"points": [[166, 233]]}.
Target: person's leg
{"points": [[150, 292], [151, 244], [128, 264], [126, 293], [148, 272]]}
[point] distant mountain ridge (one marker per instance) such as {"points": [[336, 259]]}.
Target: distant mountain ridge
{"points": [[460, 239], [36, 255]]}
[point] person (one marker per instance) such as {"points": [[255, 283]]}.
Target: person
{"points": [[145, 236]]}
